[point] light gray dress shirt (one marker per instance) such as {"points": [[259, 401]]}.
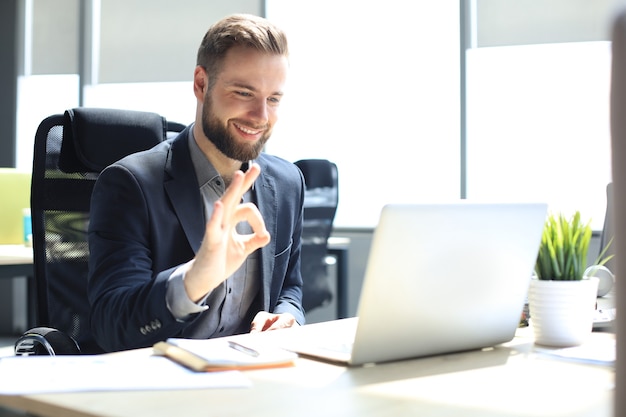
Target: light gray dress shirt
{"points": [[229, 303]]}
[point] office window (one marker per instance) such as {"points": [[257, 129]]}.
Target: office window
{"points": [[48, 66], [538, 77], [52, 38], [156, 40], [533, 22], [149, 65], [374, 87], [139, 55], [40, 96], [538, 127]]}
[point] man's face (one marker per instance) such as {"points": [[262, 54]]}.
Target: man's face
{"points": [[241, 109]]}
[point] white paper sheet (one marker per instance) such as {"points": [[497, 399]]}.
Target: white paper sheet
{"points": [[109, 372]]}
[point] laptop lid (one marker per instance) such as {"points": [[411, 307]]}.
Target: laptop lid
{"points": [[440, 278], [445, 277]]}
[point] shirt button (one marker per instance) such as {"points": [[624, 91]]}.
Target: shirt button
{"points": [[230, 290], [222, 329]]}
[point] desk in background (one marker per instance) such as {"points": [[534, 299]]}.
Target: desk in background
{"points": [[512, 379], [17, 261]]}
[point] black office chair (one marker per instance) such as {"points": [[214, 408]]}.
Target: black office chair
{"points": [[70, 151], [320, 206]]}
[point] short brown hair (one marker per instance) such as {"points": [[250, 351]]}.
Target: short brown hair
{"points": [[239, 30]]}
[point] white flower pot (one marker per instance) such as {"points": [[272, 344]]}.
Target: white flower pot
{"points": [[561, 312]]}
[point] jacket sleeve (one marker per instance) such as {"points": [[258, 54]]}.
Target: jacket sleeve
{"points": [[126, 289]]}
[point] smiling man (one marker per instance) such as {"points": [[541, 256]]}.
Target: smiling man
{"points": [[199, 237]]}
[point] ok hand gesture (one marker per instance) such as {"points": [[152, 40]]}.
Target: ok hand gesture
{"points": [[223, 250]]}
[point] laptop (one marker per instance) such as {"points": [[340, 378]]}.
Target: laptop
{"points": [[440, 278]]}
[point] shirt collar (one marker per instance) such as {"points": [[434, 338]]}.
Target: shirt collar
{"points": [[205, 171]]}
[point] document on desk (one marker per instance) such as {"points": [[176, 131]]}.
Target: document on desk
{"points": [[209, 355], [108, 372]]}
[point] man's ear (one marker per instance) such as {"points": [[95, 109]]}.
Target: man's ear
{"points": [[200, 82]]}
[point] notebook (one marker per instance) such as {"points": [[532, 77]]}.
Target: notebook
{"points": [[440, 278], [222, 354]]}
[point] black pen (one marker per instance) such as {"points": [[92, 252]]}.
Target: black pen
{"points": [[243, 349]]}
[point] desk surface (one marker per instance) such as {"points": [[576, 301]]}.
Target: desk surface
{"points": [[513, 379], [15, 255]]}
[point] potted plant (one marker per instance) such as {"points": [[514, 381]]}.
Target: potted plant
{"points": [[562, 294]]}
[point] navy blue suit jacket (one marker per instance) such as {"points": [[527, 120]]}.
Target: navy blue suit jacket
{"points": [[147, 218]]}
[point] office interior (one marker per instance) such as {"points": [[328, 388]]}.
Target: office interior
{"points": [[415, 101]]}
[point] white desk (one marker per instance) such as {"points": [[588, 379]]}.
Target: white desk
{"points": [[510, 380], [15, 255]]}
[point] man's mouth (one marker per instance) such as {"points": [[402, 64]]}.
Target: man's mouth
{"points": [[248, 130]]}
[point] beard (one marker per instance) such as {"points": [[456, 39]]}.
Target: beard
{"points": [[224, 141]]}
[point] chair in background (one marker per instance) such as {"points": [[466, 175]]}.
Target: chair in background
{"points": [[320, 206], [70, 151]]}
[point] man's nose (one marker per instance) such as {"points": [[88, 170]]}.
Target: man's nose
{"points": [[260, 111]]}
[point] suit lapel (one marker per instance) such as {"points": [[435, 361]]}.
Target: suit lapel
{"points": [[181, 186], [265, 193]]}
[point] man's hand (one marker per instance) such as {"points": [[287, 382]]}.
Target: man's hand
{"points": [[264, 321], [223, 250]]}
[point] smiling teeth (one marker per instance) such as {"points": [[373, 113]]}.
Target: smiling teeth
{"points": [[248, 131]]}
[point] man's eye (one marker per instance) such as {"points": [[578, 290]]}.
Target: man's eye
{"points": [[244, 93], [274, 100]]}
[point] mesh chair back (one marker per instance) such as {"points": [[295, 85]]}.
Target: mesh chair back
{"points": [[70, 151], [320, 205]]}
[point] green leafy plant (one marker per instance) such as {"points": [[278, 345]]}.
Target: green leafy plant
{"points": [[563, 249]]}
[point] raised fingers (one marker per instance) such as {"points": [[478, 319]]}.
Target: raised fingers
{"points": [[240, 184]]}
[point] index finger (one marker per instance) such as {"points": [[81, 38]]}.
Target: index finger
{"points": [[240, 184]]}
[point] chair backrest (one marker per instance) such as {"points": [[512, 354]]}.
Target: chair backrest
{"points": [[70, 151], [320, 205]]}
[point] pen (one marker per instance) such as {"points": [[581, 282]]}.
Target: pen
{"points": [[243, 349]]}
